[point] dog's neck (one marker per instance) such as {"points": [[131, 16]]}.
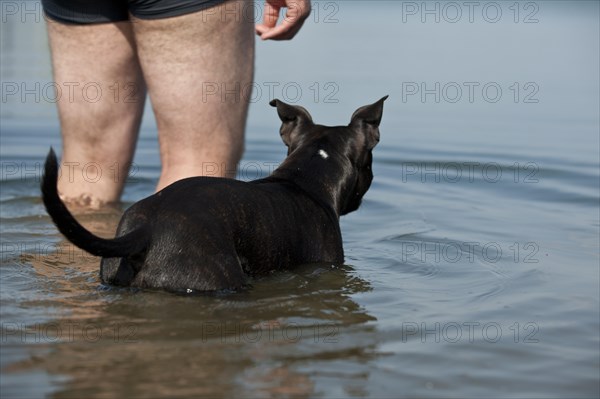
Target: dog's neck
{"points": [[325, 175]]}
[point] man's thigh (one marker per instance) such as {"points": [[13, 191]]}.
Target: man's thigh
{"points": [[199, 70]]}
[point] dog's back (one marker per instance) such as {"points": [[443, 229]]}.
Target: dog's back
{"points": [[213, 233]]}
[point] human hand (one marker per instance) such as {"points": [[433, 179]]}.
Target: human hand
{"points": [[297, 11]]}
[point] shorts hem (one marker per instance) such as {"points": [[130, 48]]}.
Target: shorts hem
{"points": [[80, 21], [150, 15], [52, 12]]}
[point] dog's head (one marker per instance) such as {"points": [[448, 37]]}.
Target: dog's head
{"points": [[348, 146]]}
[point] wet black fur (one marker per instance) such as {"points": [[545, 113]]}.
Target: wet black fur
{"points": [[206, 234]]}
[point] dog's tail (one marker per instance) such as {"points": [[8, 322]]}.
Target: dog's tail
{"points": [[131, 243]]}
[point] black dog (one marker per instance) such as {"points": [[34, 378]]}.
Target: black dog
{"points": [[206, 233]]}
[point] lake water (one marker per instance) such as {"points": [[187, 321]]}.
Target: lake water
{"points": [[472, 267]]}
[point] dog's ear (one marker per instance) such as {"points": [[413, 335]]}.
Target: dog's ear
{"points": [[293, 119], [367, 120]]}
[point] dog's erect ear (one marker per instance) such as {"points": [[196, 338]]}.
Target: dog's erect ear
{"points": [[367, 119], [293, 119]]}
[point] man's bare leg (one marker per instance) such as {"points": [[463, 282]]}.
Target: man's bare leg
{"points": [[100, 117], [199, 69]]}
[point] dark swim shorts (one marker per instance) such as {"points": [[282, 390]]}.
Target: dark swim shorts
{"points": [[101, 11]]}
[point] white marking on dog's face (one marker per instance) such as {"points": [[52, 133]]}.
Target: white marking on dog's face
{"points": [[323, 154]]}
